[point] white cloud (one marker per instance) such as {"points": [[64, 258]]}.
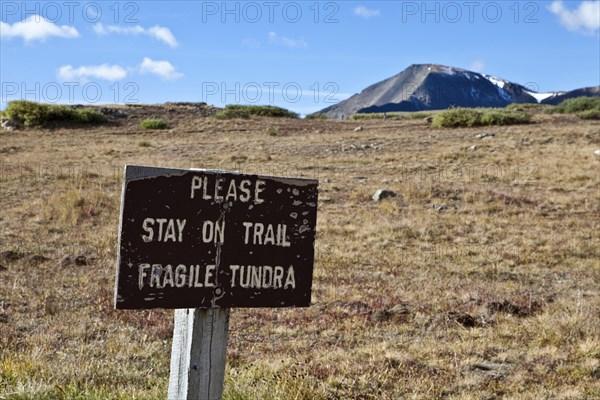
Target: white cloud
{"points": [[477, 66], [586, 17], [274, 38], [163, 34], [36, 27], [105, 71], [157, 32], [365, 12], [163, 69]]}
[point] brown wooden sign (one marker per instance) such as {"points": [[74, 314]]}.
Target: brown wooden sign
{"points": [[200, 239]]}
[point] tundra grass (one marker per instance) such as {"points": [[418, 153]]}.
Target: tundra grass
{"points": [[479, 280]]}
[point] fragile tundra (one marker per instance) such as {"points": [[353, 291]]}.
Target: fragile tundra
{"points": [[477, 279]]}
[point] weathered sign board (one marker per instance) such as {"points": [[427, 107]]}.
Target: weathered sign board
{"points": [[206, 239]]}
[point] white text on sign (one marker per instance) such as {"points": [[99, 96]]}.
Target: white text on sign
{"points": [[221, 190], [166, 229]]}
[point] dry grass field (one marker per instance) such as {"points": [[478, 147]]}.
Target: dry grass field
{"points": [[480, 280]]}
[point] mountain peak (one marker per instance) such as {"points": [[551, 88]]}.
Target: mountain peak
{"points": [[435, 87]]}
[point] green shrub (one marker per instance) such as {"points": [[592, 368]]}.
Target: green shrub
{"points": [[88, 116], [27, 113], [365, 116], [419, 115], [32, 114], [316, 116], [231, 113], [526, 106], [393, 115], [468, 117], [578, 104], [589, 114], [153, 123], [458, 118], [246, 111], [503, 117], [59, 113]]}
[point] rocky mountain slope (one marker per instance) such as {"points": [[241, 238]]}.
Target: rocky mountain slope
{"points": [[435, 87]]}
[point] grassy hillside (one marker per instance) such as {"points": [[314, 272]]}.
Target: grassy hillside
{"points": [[479, 280]]}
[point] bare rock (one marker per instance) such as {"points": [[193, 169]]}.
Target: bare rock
{"points": [[382, 194], [114, 112], [491, 368], [439, 207], [8, 125]]}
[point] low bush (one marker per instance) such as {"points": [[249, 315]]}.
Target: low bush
{"points": [[578, 104], [392, 115], [316, 116], [458, 118], [589, 114], [246, 111], [503, 117], [88, 116], [526, 106], [32, 114], [231, 113], [468, 117], [153, 123], [27, 113]]}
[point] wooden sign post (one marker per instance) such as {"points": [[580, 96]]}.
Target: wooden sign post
{"points": [[198, 353], [204, 241]]}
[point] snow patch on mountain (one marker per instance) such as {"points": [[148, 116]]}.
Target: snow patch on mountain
{"points": [[438, 87], [542, 96], [496, 81]]}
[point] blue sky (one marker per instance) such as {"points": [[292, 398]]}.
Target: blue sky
{"points": [[302, 55]]}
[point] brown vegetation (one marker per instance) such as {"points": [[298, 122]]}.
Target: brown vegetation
{"points": [[479, 280]]}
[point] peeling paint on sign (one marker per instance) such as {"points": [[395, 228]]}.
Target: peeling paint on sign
{"points": [[203, 238]]}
